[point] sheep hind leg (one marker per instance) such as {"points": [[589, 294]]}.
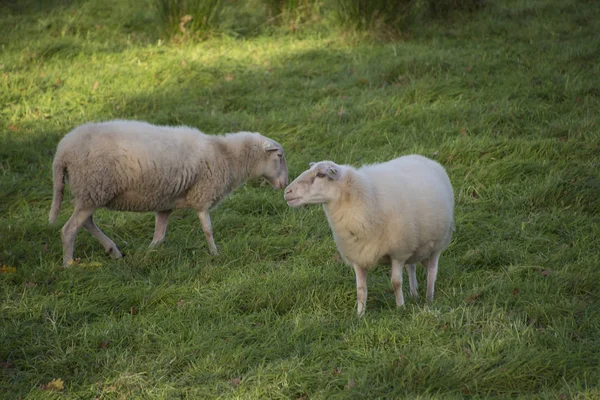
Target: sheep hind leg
{"points": [[361, 289], [207, 228], [110, 246], [396, 273], [432, 268], [69, 231], [411, 269], [160, 227]]}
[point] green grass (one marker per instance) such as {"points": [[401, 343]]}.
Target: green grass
{"points": [[182, 16], [507, 99]]}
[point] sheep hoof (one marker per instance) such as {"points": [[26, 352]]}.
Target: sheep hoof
{"points": [[115, 253], [213, 252]]}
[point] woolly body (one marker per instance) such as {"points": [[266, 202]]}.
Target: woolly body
{"points": [[401, 209], [398, 212], [136, 166]]}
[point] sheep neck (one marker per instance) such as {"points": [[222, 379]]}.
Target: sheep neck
{"points": [[355, 210], [242, 159]]}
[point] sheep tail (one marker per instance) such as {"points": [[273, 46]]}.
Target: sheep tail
{"points": [[58, 183]]}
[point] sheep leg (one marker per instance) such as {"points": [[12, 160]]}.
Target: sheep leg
{"points": [[105, 241], [432, 267], [361, 289], [397, 282], [412, 280], [207, 228], [160, 227], [69, 230]]}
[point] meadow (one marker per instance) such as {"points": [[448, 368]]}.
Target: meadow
{"points": [[506, 98]]}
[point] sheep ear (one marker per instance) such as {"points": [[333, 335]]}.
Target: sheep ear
{"points": [[332, 173], [310, 164], [268, 146]]}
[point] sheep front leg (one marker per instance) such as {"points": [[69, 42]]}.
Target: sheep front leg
{"points": [[397, 282], [361, 289], [207, 228], [110, 246], [69, 231], [411, 269], [160, 227], [432, 267]]}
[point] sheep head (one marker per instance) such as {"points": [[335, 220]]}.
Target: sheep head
{"points": [[274, 166], [317, 185]]}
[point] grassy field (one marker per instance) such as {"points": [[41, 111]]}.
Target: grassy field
{"points": [[507, 99]]}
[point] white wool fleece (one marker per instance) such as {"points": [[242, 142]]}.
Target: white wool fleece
{"points": [[136, 166], [400, 211]]}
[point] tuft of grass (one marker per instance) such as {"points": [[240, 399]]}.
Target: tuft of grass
{"points": [[273, 316], [393, 16], [293, 12], [189, 17]]}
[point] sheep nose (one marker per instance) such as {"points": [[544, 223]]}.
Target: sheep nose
{"points": [[288, 191]]}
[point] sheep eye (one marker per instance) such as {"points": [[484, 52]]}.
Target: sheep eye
{"points": [[320, 175]]}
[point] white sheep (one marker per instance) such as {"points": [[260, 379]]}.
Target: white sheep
{"points": [[399, 211], [136, 166]]}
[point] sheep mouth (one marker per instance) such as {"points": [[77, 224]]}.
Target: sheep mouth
{"points": [[294, 201], [277, 184]]}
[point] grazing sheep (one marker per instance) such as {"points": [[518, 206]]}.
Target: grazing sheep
{"points": [[400, 211], [136, 166]]}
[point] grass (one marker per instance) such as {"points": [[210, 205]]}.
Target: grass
{"points": [[506, 99], [181, 16]]}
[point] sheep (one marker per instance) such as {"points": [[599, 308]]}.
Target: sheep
{"points": [[399, 212], [136, 166]]}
